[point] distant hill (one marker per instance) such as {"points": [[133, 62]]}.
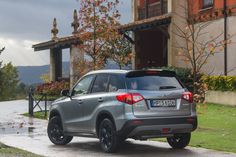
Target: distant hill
{"points": [[31, 74]]}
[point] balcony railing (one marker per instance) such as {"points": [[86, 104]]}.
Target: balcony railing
{"points": [[152, 10]]}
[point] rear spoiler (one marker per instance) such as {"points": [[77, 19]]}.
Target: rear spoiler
{"points": [[153, 72]]}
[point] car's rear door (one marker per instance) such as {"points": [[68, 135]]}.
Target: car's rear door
{"points": [[162, 94]]}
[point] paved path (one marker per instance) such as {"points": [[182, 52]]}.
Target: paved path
{"points": [[30, 134]]}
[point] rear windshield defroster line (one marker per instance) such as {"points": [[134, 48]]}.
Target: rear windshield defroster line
{"points": [[141, 73]]}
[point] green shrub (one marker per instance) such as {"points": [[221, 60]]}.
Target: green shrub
{"points": [[220, 83]]}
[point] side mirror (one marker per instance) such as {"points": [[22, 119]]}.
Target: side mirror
{"points": [[65, 92]]}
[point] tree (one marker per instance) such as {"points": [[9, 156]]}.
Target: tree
{"points": [[1, 82], [21, 91], [2, 49], [121, 51], [9, 82], [98, 20], [45, 78], [193, 45]]}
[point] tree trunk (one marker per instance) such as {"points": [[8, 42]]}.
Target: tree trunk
{"points": [[194, 82], [120, 66]]}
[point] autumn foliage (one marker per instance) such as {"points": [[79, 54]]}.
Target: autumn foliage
{"points": [[52, 88], [98, 22]]}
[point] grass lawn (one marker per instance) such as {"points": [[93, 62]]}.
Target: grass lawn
{"points": [[13, 152], [216, 128], [39, 115]]}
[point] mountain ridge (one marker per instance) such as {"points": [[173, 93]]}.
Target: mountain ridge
{"points": [[31, 74]]}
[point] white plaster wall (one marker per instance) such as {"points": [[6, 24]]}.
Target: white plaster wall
{"points": [[215, 64], [232, 46]]}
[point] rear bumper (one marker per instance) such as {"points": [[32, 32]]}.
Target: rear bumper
{"points": [[158, 127]]}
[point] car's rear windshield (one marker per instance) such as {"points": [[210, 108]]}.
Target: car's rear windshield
{"points": [[152, 83]]}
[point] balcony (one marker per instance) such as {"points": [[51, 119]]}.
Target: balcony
{"points": [[152, 10]]}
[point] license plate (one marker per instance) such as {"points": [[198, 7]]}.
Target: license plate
{"points": [[163, 103]]}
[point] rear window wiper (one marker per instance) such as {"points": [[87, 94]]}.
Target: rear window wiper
{"points": [[167, 87]]}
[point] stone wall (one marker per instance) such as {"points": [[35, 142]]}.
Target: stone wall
{"points": [[218, 97]]}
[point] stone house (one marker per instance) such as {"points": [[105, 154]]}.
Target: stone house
{"points": [[154, 39]]}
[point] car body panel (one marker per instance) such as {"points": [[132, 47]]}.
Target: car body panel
{"points": [[79, 113]]}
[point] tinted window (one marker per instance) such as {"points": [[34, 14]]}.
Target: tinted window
{"points": [[207, 3], [100, 83], [152, 83], [115, 83], [83, 86]]}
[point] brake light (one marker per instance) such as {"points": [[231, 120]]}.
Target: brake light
{"points": [[130, 98], [188, 96]]}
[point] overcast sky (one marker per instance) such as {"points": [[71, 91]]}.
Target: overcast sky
{"points": [[26, 22]]}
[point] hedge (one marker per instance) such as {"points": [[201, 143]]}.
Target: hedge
{"points": [[220, 83]]}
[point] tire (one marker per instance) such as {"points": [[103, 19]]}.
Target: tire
{"points": [[107, 136], [122, 139], [55, 132], [179, 141]]}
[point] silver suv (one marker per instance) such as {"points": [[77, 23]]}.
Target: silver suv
{"points": [[114, 105]]}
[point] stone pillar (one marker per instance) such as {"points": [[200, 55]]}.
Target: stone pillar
{"points": [[58, 64], [52, 65], [76, 57], [134, 10], [55, 64], [55, 56], [169, 3]]}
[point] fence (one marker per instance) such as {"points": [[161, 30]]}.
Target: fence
{"points": [[33, 103]]}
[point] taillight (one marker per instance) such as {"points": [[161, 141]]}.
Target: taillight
{"points": [[188, 96], [130, 98]]}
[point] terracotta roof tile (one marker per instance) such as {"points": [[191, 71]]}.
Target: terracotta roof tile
{"points": [[130, 26]]}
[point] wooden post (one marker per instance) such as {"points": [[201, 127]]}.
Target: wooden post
{"points": [[45, 99], [146, 2], [31, 103], [162, 7]]}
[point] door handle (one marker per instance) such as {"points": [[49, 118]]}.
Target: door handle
{"points": [[100, 99], [80, 101]]}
